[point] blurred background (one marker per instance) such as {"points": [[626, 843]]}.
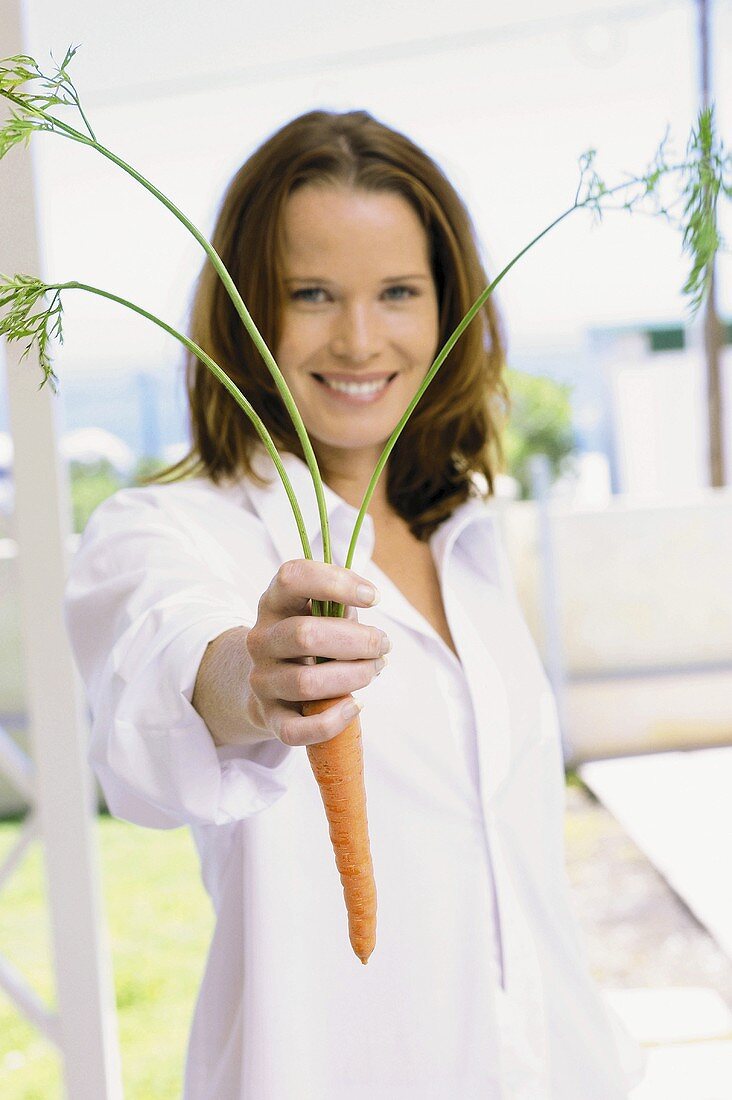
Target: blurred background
{"points": [[615, 504]]}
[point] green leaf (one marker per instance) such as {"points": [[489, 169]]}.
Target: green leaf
{"points": [[16, 130], [16, 71], [704, 178], [36, 94], [23, 294]]}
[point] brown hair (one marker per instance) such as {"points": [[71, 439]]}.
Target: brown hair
{"points": [[453, 434]]}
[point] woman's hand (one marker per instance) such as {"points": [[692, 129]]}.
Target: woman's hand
{"points": [[286, 639]]}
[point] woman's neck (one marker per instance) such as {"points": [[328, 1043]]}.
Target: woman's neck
{"points": [[350, 480]]}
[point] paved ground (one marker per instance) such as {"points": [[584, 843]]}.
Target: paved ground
{"points": [[676, 806], [666, 976], [638, 931]]}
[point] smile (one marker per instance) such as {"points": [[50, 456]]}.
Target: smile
{"points": [[361, 392]]}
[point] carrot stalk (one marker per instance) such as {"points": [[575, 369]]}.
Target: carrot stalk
{"points": [[338, 769]]}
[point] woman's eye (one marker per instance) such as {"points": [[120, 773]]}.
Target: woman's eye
{"points": [[315, 295], [400, 292], [307, 294]]}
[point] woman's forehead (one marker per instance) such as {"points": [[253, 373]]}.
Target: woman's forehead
{"points": [[322, 222]]}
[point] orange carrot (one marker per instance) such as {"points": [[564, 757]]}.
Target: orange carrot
{"points": [[338, 769]]}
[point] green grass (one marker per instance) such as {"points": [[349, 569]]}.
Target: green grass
{"points": [[160, 922]]}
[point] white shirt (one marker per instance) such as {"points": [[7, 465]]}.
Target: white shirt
{"points": [[478, 986]]}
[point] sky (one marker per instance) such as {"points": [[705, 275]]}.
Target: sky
{"points": [[505, 100]]}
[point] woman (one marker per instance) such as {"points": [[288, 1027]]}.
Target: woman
{"points": [[188, 609]]}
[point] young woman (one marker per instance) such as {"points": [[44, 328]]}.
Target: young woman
{"points": [[188, 610]]}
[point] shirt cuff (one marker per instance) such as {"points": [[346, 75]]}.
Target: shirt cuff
{"points": [[152, 752]]}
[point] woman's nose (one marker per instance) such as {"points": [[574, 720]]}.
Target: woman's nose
{"points": [[356, 334]]}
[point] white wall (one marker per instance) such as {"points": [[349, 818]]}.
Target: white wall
{"points": [[661, 421], [645, 608]]}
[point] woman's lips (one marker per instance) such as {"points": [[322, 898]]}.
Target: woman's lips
{"points": [[345, 398]]}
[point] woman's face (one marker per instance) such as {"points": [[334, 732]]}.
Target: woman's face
{"points": [[360, 319]]}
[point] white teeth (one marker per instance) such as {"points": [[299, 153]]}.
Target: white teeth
{"points": [[356, 388]]}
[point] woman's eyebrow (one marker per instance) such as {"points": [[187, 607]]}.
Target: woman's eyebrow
{"points": [[324, 281], [306, 279], [403, 278]]}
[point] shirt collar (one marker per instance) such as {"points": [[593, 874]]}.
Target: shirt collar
{"points": [[473, 524], [274, 509]]}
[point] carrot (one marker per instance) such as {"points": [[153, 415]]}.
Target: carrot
{"points": [[338, 769]]}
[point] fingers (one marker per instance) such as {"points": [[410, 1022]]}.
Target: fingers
{"points": [[313, 636], [328, 680], [299, 581], [292, 728], [286, 639]]}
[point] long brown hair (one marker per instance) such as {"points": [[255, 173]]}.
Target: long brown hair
{"points": [[454, 432]]}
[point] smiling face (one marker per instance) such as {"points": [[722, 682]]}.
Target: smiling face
{"points": [[360, 322]]}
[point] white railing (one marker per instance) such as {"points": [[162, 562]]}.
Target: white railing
{"points": [[54, 776]]}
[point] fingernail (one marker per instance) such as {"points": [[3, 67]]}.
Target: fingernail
{"points": [[385, 645], [350, 710], [367, 594], [379, 663]]}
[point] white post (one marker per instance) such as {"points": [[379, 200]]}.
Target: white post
{"points": [[556, 668], [64, 794]]}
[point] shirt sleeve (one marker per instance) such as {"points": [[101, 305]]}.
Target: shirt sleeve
{"points": [[140, 606]]}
